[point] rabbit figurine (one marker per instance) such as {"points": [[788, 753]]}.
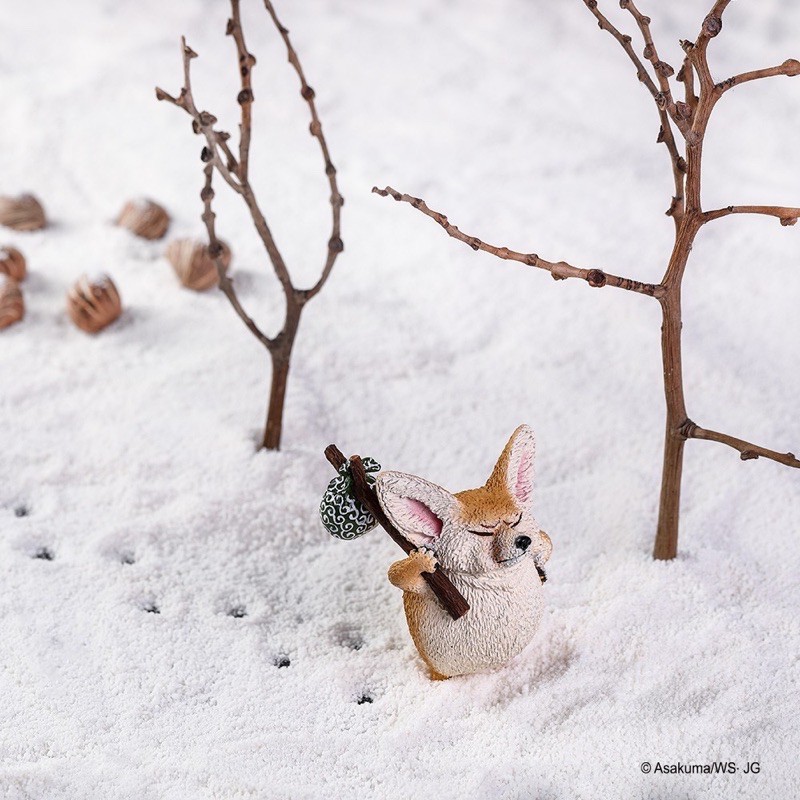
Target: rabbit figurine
{"points": [[490, 544]]}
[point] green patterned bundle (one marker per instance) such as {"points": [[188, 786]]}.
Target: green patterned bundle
{"points": [[341, 513]]}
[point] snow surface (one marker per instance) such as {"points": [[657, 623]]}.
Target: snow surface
{"points": [[131, 455]]}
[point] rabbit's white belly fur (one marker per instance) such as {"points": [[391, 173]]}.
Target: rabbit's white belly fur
{"points": [[505, 611]]}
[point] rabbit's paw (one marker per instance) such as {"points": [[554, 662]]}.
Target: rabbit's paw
{"points": [[424, 559]]}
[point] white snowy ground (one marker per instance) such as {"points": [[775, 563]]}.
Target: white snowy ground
{"points": [[526, 124]]}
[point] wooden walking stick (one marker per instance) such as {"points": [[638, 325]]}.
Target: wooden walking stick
{"points": [[447, 594]]}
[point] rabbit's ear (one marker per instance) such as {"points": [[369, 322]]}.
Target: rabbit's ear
{"points": [[514, 469], [415, 506]]}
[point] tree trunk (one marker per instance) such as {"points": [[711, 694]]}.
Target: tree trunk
{"points": [[281, 352], [277, 395], [666, 544]]}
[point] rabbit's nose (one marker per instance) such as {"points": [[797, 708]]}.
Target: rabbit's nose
{"points": [[522, 542]]}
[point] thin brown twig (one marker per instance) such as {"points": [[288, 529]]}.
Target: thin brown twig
{"points": [[667, 110], [698, 52], [625, 42], [202, 121], [790, 68], [686, 76], [215, 251], [678, 113], [234, 29], [245, 97], [558, 269], [747, 450], [335, 244], [787, 215]]}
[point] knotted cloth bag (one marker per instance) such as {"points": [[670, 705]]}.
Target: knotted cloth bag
{"points": [[341, 513]]}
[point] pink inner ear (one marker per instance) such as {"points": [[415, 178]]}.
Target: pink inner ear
{"points": [[524, 483], [429, 524]]}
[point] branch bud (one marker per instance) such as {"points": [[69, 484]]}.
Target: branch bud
{"points": [[683, 110], [206, 155], [662, 68], [229, 28], [788, 221], [336, 245], [712, 25], [673, 206], [206, 118], [792, 67], [596, 278], [244, 97], [206, 194], [307, 92]]}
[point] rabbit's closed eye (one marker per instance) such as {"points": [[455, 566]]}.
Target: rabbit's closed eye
{"points": [[494, 525]]}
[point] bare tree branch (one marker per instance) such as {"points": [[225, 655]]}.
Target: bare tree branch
{"points": [[667, 110], [787, 216], [790, 68], [215, 251], [662, 101], [698, 52], [686, 76], [335, 244], [245, 97], [202, 121], [747, 450], [217, 155], [678, 112], [560, 270]]}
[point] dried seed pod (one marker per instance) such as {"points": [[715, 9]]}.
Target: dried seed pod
{"points": [[12, 304], [144, 218], [93, 304], [193, 265], [12, 263], [23, 213]]}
